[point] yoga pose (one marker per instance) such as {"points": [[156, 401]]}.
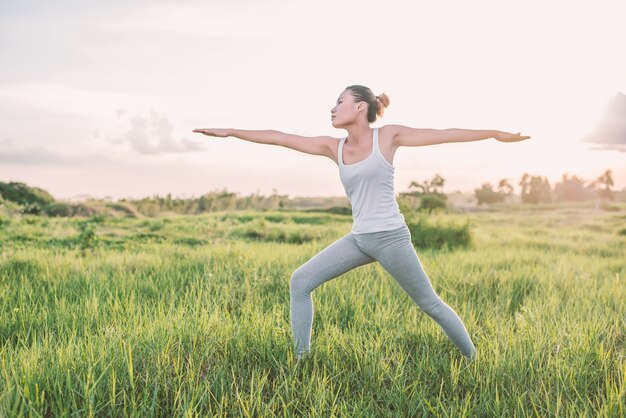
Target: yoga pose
{"points": [[379, 232]]}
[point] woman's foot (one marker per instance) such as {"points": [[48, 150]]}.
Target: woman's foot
{"points": [[297, 358]]}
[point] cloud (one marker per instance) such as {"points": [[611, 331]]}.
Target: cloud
{"points": [[153, 135], [11, 153], [610, 134]]}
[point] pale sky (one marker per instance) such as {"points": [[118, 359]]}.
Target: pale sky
{"points": [[100, 98]]}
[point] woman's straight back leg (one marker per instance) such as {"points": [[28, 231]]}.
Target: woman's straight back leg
{"points": [[394, 251]]}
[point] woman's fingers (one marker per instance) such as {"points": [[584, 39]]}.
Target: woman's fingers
{"points": [[203, 131], [222, 133], [511, 137]]}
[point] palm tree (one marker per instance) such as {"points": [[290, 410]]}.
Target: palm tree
{"points": [[603, 184], [505, 187], [437, 184]]}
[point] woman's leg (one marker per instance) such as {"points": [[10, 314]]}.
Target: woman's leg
{"points": [[338, 258], [398, 257]]}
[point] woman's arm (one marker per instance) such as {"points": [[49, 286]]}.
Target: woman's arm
{"points": [[403, 136], [318, 145]]}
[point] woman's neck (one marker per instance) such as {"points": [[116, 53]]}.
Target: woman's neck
{"points": [[359, 133]]}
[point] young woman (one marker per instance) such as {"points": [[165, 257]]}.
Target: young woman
{"points": [[379, 233]]}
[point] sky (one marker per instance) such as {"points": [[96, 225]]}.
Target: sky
{"points": [[100, 98]]}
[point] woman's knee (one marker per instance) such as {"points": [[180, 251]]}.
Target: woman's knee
{"points": [[298, 284], [433, 306]]}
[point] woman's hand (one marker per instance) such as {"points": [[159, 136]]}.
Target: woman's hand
{"points": [[221, 133], [509, 137]]}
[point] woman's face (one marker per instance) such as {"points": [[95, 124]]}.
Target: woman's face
{"points": [[346, 110]]}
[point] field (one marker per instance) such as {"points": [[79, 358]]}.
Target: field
{"points": [[189, 316]]}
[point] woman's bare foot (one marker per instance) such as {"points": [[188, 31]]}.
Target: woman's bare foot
{"points": [[299, 357]]}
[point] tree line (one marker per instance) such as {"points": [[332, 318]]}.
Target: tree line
{"points": [[427, 194], [537, 189], [533, 189]]}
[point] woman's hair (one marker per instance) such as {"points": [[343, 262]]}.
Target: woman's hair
{"points": [[375, 104]]}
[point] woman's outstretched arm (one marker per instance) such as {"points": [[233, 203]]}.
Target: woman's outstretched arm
{"points": [[317, 145], [403, 136]]}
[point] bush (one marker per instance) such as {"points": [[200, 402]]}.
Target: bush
{"points": [[433, 201], [259, 231], [439, 235], [87, 237], [125, 208], [31, 209], [608, 207], [59, 209], [83, 209], [24, 194], [486, 194], [276, 218], [340, 210]]}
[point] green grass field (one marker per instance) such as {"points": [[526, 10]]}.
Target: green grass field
{"points": [[189, 316]]}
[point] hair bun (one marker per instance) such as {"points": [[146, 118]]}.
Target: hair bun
{"points": [[375, 104], [383, 102]]}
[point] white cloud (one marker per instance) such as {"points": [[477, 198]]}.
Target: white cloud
{"points": [[17, 155], [610, 134], [153, 135]]}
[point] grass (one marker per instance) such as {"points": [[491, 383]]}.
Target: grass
{"points": [[189, 316]]}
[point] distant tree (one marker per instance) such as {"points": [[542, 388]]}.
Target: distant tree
{"points": [[434, 186], [486, 194], [535, 189], [504, 187], [572, 189], [602, 186], [429, 193], [437, 184]]}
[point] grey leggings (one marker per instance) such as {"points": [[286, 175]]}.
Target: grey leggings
{"points": [[394, 251]]}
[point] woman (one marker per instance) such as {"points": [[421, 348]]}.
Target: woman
{"points": [[379, 232]]}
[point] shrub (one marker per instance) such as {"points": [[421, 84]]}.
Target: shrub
{"points": [[486, 194], [276, 218], [432, 202], [98, 218], [192, 242], [31, 209], [64, 209], [24, 194], [311, 220], [59, 209], [259, 231], [87, 237], [83, 209], [439, 235], [125, 208], [340, 210], [608, 207]]}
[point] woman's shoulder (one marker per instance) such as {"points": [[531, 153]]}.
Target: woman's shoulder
{"points": [[389, 129], [386, 133]]}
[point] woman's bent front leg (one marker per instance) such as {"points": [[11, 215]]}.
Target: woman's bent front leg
{"points": [[338, 258]]}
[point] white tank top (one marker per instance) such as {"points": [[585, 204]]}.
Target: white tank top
{"points": [[369, 186]]}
